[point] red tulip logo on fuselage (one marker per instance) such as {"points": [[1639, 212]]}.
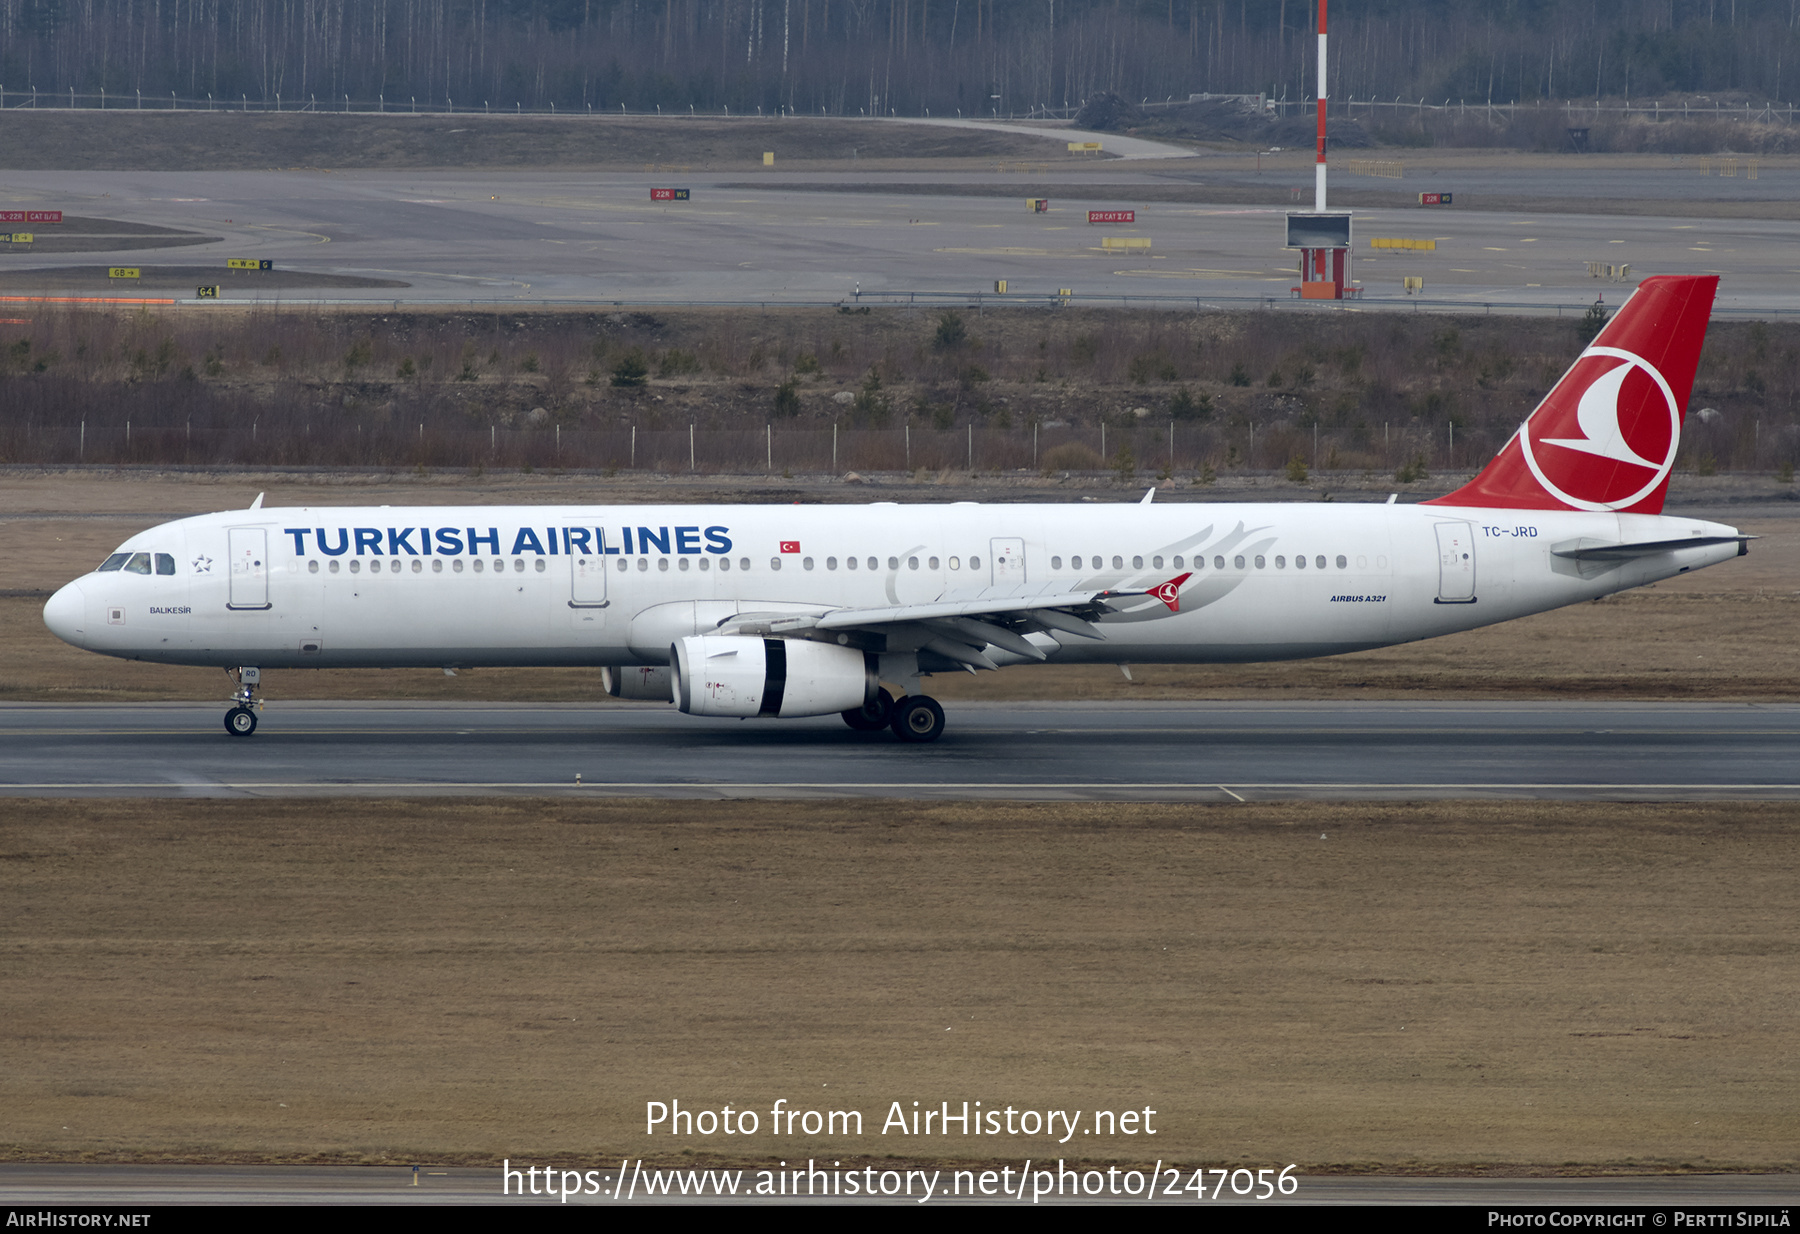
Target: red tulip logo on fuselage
{"points": [[1611, 445]]}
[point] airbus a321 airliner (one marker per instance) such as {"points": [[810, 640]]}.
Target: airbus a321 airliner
{"points": [[786, 611]]}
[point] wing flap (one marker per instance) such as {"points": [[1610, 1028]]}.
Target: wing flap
{"points": [[1023, 606]]}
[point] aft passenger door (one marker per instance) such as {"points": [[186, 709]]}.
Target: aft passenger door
{"points": [[249, 570], [1456, 563]]}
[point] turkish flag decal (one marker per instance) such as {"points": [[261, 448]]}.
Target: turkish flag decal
{"points": [[790, 546]]}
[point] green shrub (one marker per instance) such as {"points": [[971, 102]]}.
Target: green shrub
{"points": [[632, 370], [677, 363], [1184, 406], [951, 333], [787, 399]]}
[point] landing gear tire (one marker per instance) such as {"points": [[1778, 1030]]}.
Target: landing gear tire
{"points": [[240, 721], [874, 717], [918, 718]]}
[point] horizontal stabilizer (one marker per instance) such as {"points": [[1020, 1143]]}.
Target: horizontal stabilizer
{"points": [[1599, 550]]}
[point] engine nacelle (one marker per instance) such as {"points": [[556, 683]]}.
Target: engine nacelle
{"points": [[638, 683], [734, 675]]}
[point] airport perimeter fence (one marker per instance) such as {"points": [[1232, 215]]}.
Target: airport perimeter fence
{"points": [[1145, 449]]}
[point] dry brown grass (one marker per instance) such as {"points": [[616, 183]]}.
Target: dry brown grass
{"points": [[1445, 985]]}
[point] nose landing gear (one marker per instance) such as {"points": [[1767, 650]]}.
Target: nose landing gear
{"points": [[240, 721]]}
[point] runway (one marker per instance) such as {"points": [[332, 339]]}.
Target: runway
{"points": [[1200, 751]]}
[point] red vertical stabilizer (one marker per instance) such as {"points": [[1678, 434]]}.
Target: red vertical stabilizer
{"points": [[1605, 437]]}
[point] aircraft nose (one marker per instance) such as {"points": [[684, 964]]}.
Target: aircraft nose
{"points": [[66, 615]]}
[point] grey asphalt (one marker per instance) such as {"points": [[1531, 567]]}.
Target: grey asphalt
{"points": [[748, 236], [1199, 751], [111, 1186]]}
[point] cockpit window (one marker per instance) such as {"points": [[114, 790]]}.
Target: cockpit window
{"points": [[139, 564], [165, 564], [116, 561]]}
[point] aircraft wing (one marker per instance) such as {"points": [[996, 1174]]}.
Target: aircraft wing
{"points": [[960, 630]]}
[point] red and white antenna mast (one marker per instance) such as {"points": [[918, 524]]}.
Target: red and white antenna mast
{"points": [[1319, 168]]}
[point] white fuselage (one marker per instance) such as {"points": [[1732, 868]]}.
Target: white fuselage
{"points": [[579, 585]]}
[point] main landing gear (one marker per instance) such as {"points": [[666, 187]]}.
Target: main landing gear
{"points": [[917, 717], [914, 718], [240, 721], [872, 718]]}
